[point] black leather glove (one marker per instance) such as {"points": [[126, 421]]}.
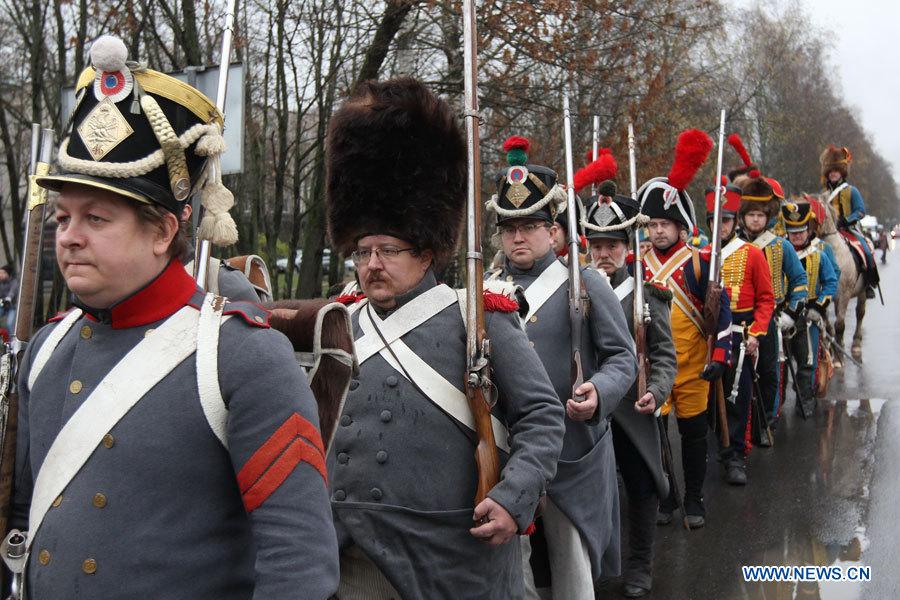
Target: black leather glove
{"points": [[713, 371]]}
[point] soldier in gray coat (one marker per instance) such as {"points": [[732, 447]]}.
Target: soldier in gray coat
{"points": [[168, 443], [610, 227], [403, 474], [581, 519]]}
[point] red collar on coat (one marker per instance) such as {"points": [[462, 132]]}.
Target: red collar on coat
{"points": [[664, 256], [162, 297]]}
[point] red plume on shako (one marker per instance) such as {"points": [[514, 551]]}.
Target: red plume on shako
{"points": [[735, 141], [667, 197], [598, 171]]}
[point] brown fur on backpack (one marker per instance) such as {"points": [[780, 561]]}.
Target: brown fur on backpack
{"points": [[396, 166], [297, 320]]}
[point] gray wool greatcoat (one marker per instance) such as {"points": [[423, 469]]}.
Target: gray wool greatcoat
{"points": [[585, 487], [157, 511], [403, 475], [641, 429]]}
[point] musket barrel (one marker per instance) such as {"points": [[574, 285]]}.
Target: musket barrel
{"points": [[204, 248], [473, 187], [31, 247], [595, 148], [716, 243]]}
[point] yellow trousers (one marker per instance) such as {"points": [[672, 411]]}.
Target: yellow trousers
{"points": [[690, 394]]}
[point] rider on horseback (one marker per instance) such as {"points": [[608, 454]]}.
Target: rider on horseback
{"points": [[848, 206]]}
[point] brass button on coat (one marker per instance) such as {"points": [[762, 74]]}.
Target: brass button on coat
{"points": [[340, 495], [381, 456], [58, 501], [108, 440], [259, 319], [76, 386], [386, 416], [343, 458], [86, 332], [99, 500], [533, 319], [376, 494], [89, 566], [391, 380], [346, 420], [44, 557]]}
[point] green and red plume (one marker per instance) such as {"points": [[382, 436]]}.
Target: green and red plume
{"points": [[735, 141], [598, 171], [516, 148], [691, 150]]}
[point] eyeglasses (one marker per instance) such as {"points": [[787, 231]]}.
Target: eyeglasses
{"points": [[385, 253], [527, 228]]}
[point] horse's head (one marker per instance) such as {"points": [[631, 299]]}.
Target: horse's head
{"points": [[824, 214]]}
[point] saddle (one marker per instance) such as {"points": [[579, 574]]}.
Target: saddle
{"points": [[856, 249]]}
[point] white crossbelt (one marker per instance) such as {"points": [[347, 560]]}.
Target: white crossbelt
{"points": [[836, 191], [731, 247], [544, 286], [145, 365], [436, 388], [623, 289], [764, 239], [807, 251]]}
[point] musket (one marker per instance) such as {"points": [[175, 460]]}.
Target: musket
{"points": [[711, 308], [478, 381], [595, 149], [641, 318], [576, 308], [641, 315], [203, 247], [41, 150]]}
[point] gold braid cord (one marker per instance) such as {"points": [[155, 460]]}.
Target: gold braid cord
{"points": [[176, 163], [135, 168]]}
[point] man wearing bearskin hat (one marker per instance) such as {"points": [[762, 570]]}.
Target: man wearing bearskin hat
{"points": [[580, 520], [684, 270], [823, 282], [759, 222], [168, 443], [402, 465], [610, 229], [848, 205], [745, 275]]}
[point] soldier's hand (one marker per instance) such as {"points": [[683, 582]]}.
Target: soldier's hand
{"points": [[712, 371], [752, 345], [646, 404], [497, 527], [582, 411]]}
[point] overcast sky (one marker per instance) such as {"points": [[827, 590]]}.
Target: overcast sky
{"points": [[866, 56]]}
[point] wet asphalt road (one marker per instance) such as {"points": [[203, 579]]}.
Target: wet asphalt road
{"points": [[827, 494]]}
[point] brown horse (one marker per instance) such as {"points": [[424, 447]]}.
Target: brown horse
{"points": [[851, 284]]}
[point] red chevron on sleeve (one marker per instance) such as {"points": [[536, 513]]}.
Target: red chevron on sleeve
{"points": [[295, 441]]}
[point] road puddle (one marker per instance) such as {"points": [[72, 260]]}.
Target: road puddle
{"points": [[835, 534]]}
